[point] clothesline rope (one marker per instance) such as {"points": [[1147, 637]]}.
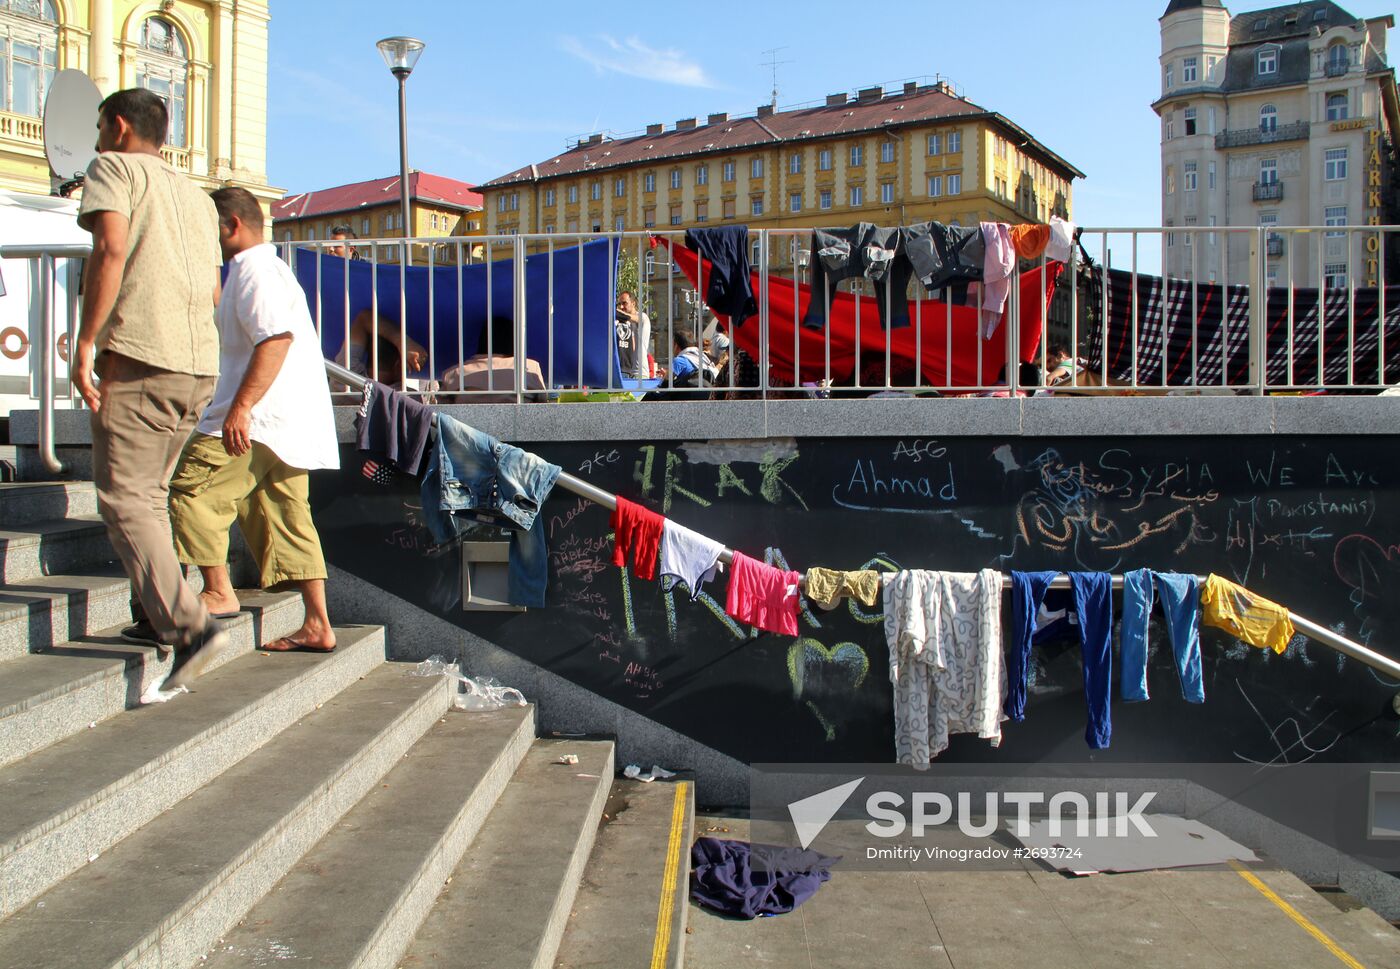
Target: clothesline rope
{"points": [[1307, 627]]}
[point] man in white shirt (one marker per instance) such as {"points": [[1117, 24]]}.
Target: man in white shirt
{"points": [[270, 422]]}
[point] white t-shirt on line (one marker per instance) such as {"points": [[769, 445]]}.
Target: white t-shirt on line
{"points": [[262, 299]]}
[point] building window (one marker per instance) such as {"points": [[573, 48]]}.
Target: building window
{"points": [[824, 160], [619, 223], [1268, 118], [1186, 236], [28, 54], [675, 215], [1335, 216], [570, 227], [1188, 70], [311, 231], [514, 202], [935, 144], [500, 203], [1335, 164], [649, 182], [1169, 131], [954, 142], [619, 188], [886, 152], [1169, 178], [649, 216], [795, 163], [548, 197], [857, 195], [1268, 171], [1335, 275], [1188, 176], [162, 67], [954, 184], [1338, 107], [1167, 81], [702, 211], [1338, 60], [886, 192], [1266, 61], [549, 228], [1190, 127], [857, 155], [702, 174], [755, 168], [595, 191], [675, 178], [571, 194], [1210, 67], [729, 208], [795, 202], [1210, 176], [756, 205], [935, 186], [727, 172], [824, 199]]}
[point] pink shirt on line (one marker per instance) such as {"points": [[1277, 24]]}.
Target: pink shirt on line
{"points": [[763, 596]]}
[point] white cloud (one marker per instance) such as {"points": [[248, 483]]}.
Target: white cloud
{"points": [[634, 58]]}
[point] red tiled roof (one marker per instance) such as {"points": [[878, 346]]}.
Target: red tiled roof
{"points": [[423, 186], [891, 111]]}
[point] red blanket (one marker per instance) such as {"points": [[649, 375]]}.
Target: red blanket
{"points": [[938, 333]]}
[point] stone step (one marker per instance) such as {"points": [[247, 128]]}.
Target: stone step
{"points": [[52, 547], [31, 501], [358, 896], [49, 610], [632, 907], [74, 800], [50, 695], [166, 894], [509, 898]]}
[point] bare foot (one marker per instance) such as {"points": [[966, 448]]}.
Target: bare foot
{"points": [[313, 638], [219, 605]]}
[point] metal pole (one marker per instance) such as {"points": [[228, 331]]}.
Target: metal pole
{"points": [[403, 163]]}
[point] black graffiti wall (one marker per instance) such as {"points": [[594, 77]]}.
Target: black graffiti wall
{"points": [[1313, 523]]}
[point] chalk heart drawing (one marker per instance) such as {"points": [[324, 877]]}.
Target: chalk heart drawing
{"points": [[1372, 570], [818, 672]]}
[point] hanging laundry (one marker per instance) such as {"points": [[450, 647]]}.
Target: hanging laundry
{"points": [[471, 476], [729, 288], [1030, 240], [825, 586], [393, 426], [750, 880], [1094, 608], [1181, 607], [998, 263], [862, 250], [944, 636], [1062, 235], [690, 557], [1248, 617], [943, 254], [763, 596], [636, 537]]}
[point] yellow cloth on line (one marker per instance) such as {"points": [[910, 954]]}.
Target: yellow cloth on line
{"points": [[825, 586], [1250, 618]]}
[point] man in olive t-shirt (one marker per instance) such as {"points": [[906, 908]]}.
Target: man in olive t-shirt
{"points": [[148, 331]]}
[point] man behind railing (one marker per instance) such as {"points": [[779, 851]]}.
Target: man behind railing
{"points": [[148, 329]]}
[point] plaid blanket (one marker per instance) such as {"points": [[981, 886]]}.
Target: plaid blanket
{"points": [[1199, 336]]}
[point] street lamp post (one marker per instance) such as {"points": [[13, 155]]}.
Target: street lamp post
{"points": [[401, 54]]}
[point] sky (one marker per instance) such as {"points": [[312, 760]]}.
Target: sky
{"points": [[499, 86]]}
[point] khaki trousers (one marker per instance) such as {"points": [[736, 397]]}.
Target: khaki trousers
{"points": [[269, 498], [137, 436]]}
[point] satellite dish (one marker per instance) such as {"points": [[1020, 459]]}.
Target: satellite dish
{"points": [[70, 124]]}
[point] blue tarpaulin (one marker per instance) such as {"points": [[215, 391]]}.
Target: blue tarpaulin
{"points": [[582, 278]]}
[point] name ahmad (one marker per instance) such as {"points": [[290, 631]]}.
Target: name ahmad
{"points": [[869, 488]]}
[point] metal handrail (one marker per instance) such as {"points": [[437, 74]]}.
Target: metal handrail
{"points": [[1307, 627]]}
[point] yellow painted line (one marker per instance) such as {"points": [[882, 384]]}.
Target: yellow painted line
{"points": [[1297, 916], [665, 911]]}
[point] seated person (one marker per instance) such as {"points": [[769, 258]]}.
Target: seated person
{"points": [[690, 367], [1060, 367], [388, 332], [342, 234], [495, 371]]}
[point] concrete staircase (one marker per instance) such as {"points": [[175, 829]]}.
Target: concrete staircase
{"points": [[312, 809]]}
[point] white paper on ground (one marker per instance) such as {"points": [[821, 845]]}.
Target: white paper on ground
{"points": [[1180, 843], [154, 693], [656, 773]]}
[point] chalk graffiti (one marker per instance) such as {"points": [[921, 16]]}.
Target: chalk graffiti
{"points": [[1370, 568], [1298, 727]]}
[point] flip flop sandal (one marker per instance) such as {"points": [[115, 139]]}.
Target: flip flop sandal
{"points": [[288, 645]]}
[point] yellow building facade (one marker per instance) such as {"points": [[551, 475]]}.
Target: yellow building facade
{"points": [[950, 162], [184, 50]]}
